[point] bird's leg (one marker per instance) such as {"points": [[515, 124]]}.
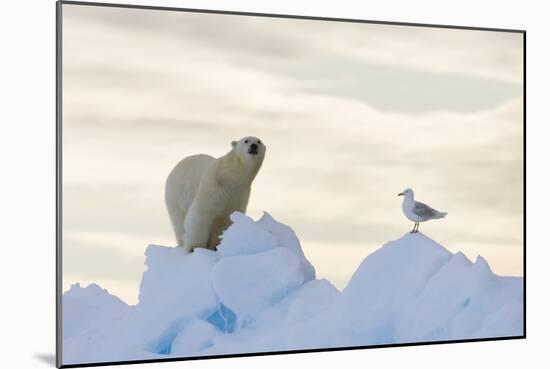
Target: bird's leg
{"points": [[412, 230], [417, 225]]}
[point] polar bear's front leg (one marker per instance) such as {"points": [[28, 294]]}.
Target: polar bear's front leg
{"points": [[198, 223], [216, 231], [197, 231]]}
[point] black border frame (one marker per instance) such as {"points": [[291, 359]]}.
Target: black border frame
{"points": [[59, 184]]}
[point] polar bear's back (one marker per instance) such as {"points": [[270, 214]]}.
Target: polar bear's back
{"points": [[183, 181]]}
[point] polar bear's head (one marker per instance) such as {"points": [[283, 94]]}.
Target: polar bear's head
{"points": [[250, 149]]}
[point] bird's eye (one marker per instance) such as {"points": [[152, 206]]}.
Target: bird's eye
{"points": [[245, 141], [259, 142]]}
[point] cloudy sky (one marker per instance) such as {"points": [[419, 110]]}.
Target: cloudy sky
{"points": [[351, 114]]}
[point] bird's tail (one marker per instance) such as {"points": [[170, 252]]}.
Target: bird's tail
{"points": [[442, 214]]}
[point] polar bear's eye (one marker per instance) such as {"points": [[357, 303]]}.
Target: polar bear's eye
{"points": [[245, 141]]}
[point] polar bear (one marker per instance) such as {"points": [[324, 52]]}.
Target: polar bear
{"points": [[201, 192]]}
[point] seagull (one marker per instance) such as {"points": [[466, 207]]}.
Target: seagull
{"points": [[416, 211]]}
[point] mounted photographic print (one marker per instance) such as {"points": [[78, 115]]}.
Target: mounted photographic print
{"points": [[243, 184]]}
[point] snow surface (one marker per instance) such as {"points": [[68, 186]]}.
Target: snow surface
{"points": [[258, 292]]}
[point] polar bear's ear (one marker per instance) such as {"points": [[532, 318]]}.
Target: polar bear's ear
{"points": [[234, 144]]}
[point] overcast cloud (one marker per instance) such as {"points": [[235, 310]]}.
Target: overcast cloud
{"points": [[351, 114]]}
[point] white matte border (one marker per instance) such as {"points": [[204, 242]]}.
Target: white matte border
{"points": [[28, 182]]}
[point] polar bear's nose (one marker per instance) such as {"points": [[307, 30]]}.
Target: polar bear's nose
{"points": [[253, 149]]}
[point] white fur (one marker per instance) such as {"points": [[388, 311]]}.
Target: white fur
{"points": [[201, 192]]}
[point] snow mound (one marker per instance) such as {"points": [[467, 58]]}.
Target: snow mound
{"points": [[258, 292], [260, 263], [413, 290], [86, 308]]}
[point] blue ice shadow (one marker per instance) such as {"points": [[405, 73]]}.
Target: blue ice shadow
{"points": [[223, 318]]}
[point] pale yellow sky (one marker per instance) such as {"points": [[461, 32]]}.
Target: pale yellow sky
{"points": [[351, 115]]}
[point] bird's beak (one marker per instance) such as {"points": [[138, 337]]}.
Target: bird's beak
{"points": [[400, 194]]}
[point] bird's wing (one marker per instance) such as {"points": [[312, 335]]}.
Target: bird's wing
{"points": [[423, 210]]}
